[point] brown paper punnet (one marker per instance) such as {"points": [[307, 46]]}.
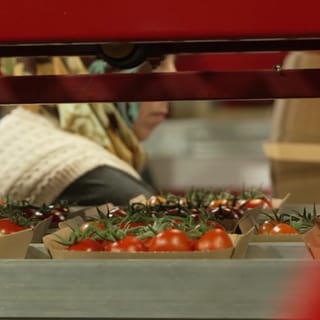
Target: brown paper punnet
{"points": [[15, 245], [91, 212], [312, 240], [140, 199], [58, 251], [239, 250], [87, 211], [40, 230], [72, 223], [277, 238], [75, 220]]}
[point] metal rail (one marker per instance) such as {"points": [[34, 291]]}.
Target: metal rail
{"points": [[223, 85]]}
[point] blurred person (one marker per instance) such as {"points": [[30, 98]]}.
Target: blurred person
{"points": [[81, 153]]}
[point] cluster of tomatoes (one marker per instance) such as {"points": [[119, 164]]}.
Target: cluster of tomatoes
{"points": [[276, 227], [170, 240], [219, 205], [18, 216], [132, 231], [246, 199], [288, 223], [193, 221]]}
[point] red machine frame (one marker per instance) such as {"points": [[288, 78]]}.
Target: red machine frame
{"points": [[70, 27]]}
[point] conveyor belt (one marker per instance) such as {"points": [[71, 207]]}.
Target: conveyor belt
{"points": [[149, 289]]}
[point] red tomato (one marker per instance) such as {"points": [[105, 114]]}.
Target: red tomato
{"points": [[117, 212], [86, 244], [106, 244], [267, 226], [170, 240], [219, 202], [128, 244], [214, 239], [57, 217], [92, 224], [193, 242], [29, 212], [156, 200], [257, 202], [146, 242], [283, 228], [7, 227]]}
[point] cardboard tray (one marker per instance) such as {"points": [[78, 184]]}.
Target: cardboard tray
{"points": [[58, 251], [15, 245], [40, 230], [88, 211], [312, 241]]}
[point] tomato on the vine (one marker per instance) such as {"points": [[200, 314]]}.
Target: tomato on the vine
{"points": [[218, 203], [214, 239], [267, 226], [257, 202], [129, 224], [170, 240], [94, 224], [146, 242], [86, 244], [127, 244], [193, 242], [117, 212], [283, 228], [156, 200], [106, 244], [7, 227]]}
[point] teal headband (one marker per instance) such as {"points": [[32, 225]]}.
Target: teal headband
{"points": [[128, 110]]}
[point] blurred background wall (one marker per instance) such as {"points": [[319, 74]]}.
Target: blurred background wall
{"points": [[211, 144]]}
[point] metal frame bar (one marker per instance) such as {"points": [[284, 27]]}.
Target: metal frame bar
{"points": [[35, 27], [221, 85], [158, 49]]}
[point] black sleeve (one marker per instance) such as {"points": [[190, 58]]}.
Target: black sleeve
{"points": [[102, 185]]}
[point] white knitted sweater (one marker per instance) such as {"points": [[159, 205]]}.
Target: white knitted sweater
{"points": [[38, 160]]}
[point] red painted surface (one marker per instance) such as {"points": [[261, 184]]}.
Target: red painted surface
{"points": [[220, 85], [28, 21]]}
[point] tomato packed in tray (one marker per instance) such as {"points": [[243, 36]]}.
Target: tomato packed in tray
{"points": [[162, 224], [295, 222], [149, 228], [220, 205], [19, 215]]}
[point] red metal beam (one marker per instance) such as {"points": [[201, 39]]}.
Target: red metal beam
{"points": [[72, 21], [222, 85]]}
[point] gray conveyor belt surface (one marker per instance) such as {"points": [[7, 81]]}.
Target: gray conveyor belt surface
{"points": [[146, 289]]}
